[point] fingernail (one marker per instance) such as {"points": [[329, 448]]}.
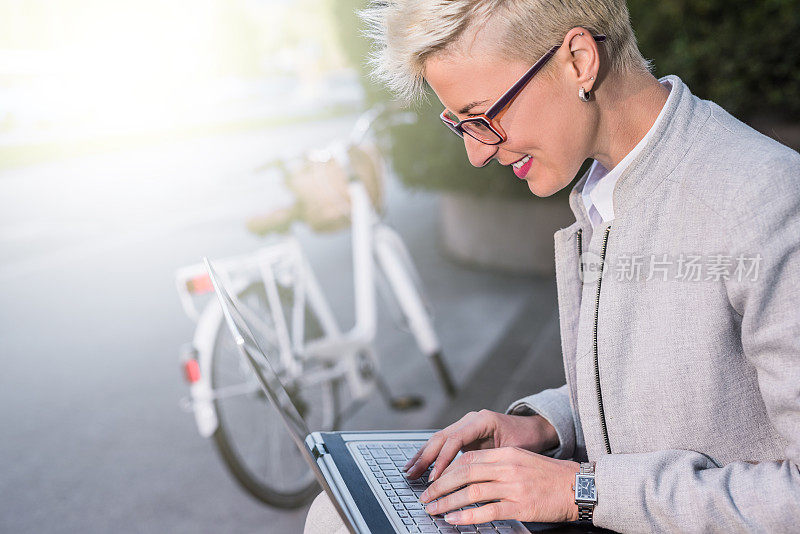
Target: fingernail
{"points": [[424, 497], [450, 518], [432, 476], [431, 508]]}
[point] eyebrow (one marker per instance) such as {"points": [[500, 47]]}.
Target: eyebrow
{"points": [[469, 106]]}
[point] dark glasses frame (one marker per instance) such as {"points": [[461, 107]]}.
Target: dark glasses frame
{"points": [[495, 135]]}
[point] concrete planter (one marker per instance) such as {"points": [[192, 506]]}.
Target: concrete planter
{"points": [[511, 235]]}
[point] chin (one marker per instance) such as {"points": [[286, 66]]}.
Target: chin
{"points": [[545, 184], [542, 190]]}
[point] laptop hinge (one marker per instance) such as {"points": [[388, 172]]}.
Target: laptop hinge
{"points": [[319, 450]]}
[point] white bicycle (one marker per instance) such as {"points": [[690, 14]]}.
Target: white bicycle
{"points": [[328, 372]]}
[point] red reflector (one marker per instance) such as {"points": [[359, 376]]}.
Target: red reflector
{"points": [[192, 370], [200, 284]]}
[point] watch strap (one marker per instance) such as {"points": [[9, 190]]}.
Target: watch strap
{"points": [[586, 510], [587, 468]]}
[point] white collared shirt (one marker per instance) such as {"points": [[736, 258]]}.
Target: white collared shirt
{"points": [[598, 191]]}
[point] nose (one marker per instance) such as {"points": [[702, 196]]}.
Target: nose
{"points": [[478, 153]]}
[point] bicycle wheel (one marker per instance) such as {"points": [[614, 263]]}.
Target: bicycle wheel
{"points": [[251, 437]]}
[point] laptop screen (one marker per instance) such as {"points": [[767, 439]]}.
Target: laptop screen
{"points": [[269, 380]]}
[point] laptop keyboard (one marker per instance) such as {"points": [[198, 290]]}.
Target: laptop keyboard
{"points": [[386, 461]]}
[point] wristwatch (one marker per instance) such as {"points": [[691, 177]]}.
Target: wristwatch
{"points": [[585, 491]]}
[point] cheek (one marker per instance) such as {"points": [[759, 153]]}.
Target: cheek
{"points": [[564, 126], [565, 139], [552, 132], [557, 136], [561, 157]]}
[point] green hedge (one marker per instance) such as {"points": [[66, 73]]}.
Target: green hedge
{"points": [[742, 54]]}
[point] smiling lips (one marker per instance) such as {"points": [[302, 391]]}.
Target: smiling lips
{"points": [[522, 166]]}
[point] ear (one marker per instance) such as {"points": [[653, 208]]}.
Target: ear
{"points": [[583, 63]]}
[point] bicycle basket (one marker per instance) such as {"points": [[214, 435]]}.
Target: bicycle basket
{"points": [[320, 187]]}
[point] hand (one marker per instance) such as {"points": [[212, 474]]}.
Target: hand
{"points": [[515, 484], [481, 430]]}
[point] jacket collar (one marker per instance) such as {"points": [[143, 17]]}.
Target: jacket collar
{"points": [[683, 118]]}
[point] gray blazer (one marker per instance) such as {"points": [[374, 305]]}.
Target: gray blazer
{"points": [[682, 358]]}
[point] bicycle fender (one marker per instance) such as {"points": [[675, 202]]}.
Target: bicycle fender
{"points": [[201, 391]]}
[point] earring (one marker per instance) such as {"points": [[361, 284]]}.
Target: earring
{"points": [[584, 95]]}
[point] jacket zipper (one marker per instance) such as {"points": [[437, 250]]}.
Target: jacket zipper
{"points": [[594, 330]]}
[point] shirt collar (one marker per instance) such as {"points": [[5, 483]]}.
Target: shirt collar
{"points": [[599, 187], [684, 117]]}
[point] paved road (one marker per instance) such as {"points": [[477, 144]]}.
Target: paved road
{"points": [[93, 439]]}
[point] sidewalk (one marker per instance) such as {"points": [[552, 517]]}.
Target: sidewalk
{"points": [[525, 359], [499, 333], [126, 454]]}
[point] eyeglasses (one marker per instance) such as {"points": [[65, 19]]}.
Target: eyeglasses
{"points": [[483, 127]]}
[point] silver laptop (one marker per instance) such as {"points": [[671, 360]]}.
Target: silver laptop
{"points": [[360, 471]]}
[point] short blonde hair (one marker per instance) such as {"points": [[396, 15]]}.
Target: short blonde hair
{"points": [[406, 33]]}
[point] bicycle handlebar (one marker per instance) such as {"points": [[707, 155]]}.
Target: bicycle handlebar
{"points": [[365, 122], [315, 202], [363, 125]]}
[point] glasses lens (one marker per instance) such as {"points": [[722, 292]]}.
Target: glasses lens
{"points": [[450, 121], [480, 130], [449, 116]]}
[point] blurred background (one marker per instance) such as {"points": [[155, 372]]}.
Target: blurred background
{"points": [[133, 141]]}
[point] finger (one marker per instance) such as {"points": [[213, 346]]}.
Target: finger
{"points": [[456, 478], [471, 494], [425, 455], [431, 441], [475, 446], [414, 458], [493, 511], [449, 451], [465, 430], [483, 456]]}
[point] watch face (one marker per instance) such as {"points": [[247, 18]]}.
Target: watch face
{"points": [[584, 489]]}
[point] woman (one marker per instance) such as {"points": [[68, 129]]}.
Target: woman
{"points": [[677, 284]]}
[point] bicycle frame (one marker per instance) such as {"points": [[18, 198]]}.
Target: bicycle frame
{"points": [[372, 244]]}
